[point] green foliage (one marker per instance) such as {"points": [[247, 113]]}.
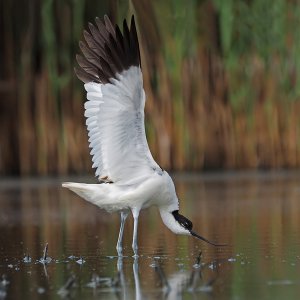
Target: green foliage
{"points": [[257, 32], [252, 26], [212, 70], [177, 23]]}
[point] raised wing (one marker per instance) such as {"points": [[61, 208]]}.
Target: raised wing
{"points": [[113, 80]]}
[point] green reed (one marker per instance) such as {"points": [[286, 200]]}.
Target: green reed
{"points": [[221, 78]]}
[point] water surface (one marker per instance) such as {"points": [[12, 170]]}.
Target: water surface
{"points": [[257, 214]]}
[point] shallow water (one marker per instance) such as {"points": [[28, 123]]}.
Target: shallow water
{"points": [[256, 214]]}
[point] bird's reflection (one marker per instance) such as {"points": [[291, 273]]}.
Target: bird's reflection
{"points": [[122, 291], [135, 267], [172, 286]]}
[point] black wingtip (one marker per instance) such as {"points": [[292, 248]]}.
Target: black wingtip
{"points": [[82, 75], [132, 20], [108, 51]]}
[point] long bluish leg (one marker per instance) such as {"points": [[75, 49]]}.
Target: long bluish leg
{"points": [[119, 247], [135, 213]]}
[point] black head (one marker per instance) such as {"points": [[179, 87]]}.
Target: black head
{"points": [[188, 225], [183, 221]]}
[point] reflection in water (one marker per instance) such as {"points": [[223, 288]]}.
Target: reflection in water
{"points": [[138, 293], [258, 216], [171, 287]]}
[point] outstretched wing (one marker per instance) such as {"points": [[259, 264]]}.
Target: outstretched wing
{"points": [[111, 71]]}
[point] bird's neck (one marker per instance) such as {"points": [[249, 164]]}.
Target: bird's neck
{"points": [[168, 218], [170, 221]]}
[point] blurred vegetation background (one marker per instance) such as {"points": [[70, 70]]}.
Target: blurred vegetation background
{"points": [[221, 79]]}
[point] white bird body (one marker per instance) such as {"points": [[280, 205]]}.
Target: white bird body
{"points": [[130, 179], [156, 190]]}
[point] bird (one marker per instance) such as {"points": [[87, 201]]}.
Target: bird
{"points": [[129, 179]]}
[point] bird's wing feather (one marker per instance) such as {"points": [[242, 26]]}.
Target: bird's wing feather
{"points": [[115, 107]]}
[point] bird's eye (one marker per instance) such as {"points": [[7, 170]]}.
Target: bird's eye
{"points": [[187, 224]]}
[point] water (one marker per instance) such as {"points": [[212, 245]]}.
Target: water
{"points": [[257, 214]]}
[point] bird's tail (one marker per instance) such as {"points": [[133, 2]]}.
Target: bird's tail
{"points": [[86, 191], [106, 196]]}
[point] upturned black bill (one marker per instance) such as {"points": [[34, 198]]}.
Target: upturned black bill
{"points": [[205, 240]]}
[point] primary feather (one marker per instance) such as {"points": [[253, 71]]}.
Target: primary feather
{"points": [[113, 80]]}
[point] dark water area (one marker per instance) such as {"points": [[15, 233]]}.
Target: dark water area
{"points": [[256, 214]]}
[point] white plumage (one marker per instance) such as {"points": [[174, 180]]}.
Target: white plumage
{"points": [[130, 179], [115, 121]]}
